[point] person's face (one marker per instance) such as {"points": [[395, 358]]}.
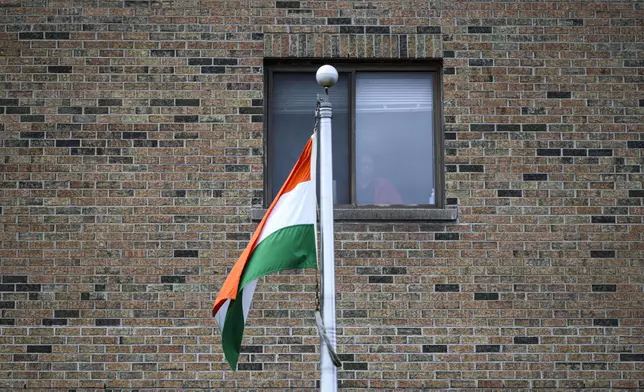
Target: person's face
{"points": [[366, 169]]}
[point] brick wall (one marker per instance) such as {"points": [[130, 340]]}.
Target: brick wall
{"points": [[132, 155]]}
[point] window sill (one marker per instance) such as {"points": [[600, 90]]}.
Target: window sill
{"points": [[382, 214]]}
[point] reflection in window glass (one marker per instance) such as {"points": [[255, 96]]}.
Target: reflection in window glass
{"points": [[394, 138], [291, 113]]}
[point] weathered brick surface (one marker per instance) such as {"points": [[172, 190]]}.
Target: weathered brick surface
{"points": [[132, 154]]}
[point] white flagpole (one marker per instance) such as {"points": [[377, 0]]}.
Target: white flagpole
{"points": [[327, 76]]}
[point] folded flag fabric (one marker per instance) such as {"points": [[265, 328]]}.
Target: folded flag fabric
{"points": [[284, 240]]}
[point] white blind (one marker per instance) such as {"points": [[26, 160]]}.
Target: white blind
{"points": [[297, 93], [394, 91]]}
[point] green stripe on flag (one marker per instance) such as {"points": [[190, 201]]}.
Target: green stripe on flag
{"points": [[292, 247]]}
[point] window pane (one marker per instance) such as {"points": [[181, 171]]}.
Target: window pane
{"points": [[394, 138], [291, 109]]}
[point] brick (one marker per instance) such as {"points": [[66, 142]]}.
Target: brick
{"points": [[510, 193], [213, 70], [486, 296], [603, 219], [287, 4], [54, 322], [173, 279], [447, 288], [66, 313], [609, 288], [479, 30], [434, 348], [39, 348], [56, 35], [526, 340], [377, 29], [558, 94], [471, 168], [535, 177], [186, 253], [481, 62], [199, 61], [602, 254], [635, 144], [18, 110], [606, 322], [31, 35], [108, 322], [110, 102], [488, 348], [428, 29], [67, 143], [59, 69], [482, 127], [339, 21], [352, 29], [187, 102], [14, 279], [631, 357]]}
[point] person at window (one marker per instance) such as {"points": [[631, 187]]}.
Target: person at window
{"points": [[374, 189]]}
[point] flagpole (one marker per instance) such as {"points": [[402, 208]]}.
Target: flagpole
{"points": [[327, 76]]}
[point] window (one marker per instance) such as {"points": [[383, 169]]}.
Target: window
{"points": [[386, 130]]}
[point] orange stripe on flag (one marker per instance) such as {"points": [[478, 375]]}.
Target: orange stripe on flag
{"points": [[301, 172]]}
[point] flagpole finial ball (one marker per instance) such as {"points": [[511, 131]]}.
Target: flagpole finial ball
{"points": [[327, 76]]}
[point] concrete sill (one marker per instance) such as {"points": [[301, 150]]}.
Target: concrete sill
{"points": [[383, 214]]}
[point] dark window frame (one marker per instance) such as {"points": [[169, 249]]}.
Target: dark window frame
{"points": [[272, 66]]}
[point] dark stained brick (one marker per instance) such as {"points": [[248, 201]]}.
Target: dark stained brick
{"points": [[486, 296], [59, 69], [377, 29], [56, 35], [526, 340], [603, 219], [470, 168], [631, 357], [38, 348], [14, 279], [488, 348], [604, 288], [173, 279], [481, 62], [535, 177], [200, 61], [339, 21], [558, 94], [479, 30], [213, 70], [110, 102], [602, 254], [287, 4], [187, 102], [352, 29], [606, 322], [428, 29], [381, 279], [548, 152], [510, 193], [66, 313], [447, 236], [108, 322], [54, 322], [440, 288], [434, 348], [186, 253]]}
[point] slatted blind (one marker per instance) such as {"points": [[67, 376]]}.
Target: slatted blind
{"points": [[393, 91]]}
